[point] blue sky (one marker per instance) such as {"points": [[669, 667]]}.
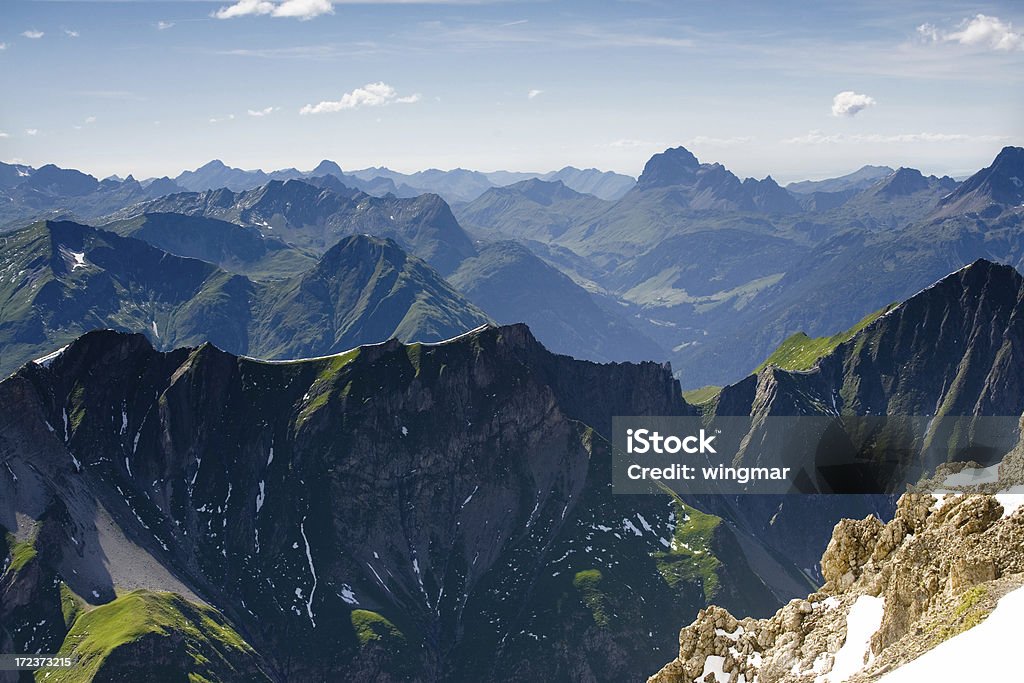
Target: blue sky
{"points": [[152, 88]]}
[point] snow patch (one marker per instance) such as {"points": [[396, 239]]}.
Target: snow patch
{"points": [[983, 653], [50, 357], [970, 476], [714, 665], [734, 636], [348, 595], [1011, 499], [309, 558], [864, 619]]}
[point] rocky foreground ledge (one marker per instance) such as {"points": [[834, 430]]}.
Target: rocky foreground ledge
{"points": [[892, 592]]}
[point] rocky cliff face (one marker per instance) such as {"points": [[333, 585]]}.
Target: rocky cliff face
{"points": [[955, 348], [421, 512], [892, 591]]}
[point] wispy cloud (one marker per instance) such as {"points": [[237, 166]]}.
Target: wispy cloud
{"points": [[817, 137], [260, 113], [222, 119], [295, 9], [980, 30], [3, 46], [31, 132], [849, 103], [4, 134], [33, 34], [89, 120], [378, 94], [71, 34], [533, 94], [164, 25]]}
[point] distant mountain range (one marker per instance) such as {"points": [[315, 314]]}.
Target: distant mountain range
{"points": [[456, 185], [688, 257], [699, 257], [74, 278]]}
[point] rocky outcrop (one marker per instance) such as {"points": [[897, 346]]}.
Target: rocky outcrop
{"points": [[892, 591]]}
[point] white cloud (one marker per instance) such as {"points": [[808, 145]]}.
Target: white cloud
{"points": [[816, 137], [378, 94], [267, 111], [221, 119], [303, 9], [533, 93], [71, 34], [3, 46], [164, 25], [4, 135], [296, 9], [978, 31], [849, 103], [244, 8], [90, 119], [33, 34], [31, 131]]}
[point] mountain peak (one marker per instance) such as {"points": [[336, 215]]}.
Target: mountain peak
{"points": [[1011, 156], [903, 182], [991, 190], [327, 167], [543, 192], [673, 166]]}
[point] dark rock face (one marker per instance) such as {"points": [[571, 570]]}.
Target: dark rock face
{"points": [[671, 167], [427, 512], [955, 348], [991, 190]]}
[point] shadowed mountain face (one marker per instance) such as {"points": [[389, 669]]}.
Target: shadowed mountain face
{"points": [[28, 194], [531, 209], [512, 284], [423, 512], [955, 348], [991, 191], [69, 278]]}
